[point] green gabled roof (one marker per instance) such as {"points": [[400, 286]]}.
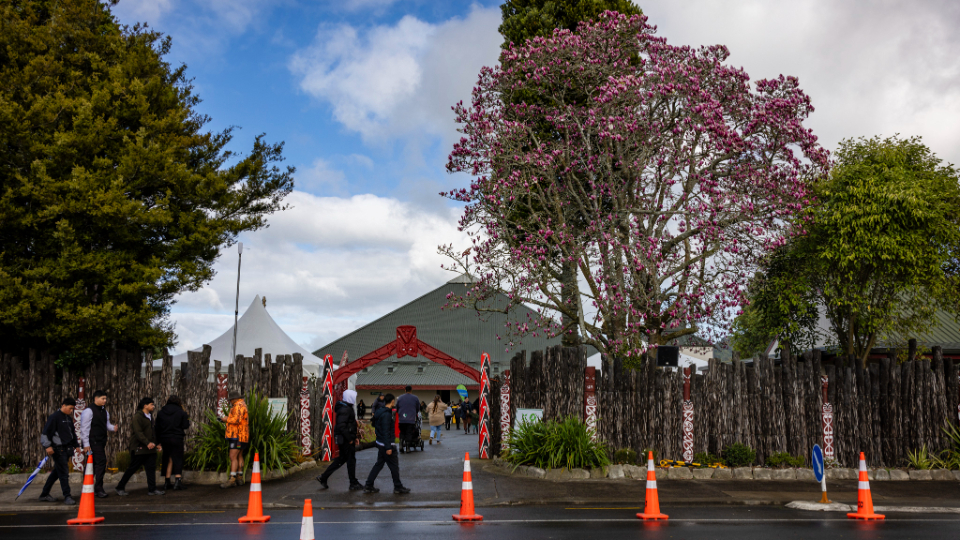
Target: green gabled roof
{"points": [[945, 332], [461, 333]]}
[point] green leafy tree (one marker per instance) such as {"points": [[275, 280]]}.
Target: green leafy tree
{"points": [[782, 305], [113, 197], [879, 253], [524, 19]]}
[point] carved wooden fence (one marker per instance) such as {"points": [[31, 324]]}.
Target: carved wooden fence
{"points": [[884, 411], [31, 388]]}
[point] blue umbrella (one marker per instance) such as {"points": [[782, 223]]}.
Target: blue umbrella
{"points": [[32, 476]]}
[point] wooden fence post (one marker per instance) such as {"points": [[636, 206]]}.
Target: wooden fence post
{"points": [[327, 448], [688, 416], [79, 458], [590, 401], [504, 405]]}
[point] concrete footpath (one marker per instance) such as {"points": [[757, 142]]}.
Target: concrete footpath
{"points": [[435, 475]]}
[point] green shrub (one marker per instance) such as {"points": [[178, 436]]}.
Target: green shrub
{"points": [[12, 469], [553, 445], [625, 456], [704, 458], [783, 459], [739, 455], [268, 436], [920, 459], [121, 460]]}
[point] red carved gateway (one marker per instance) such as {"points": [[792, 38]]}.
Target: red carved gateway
{"points": [[328, 450], [827, 416], [687, 417], [484, 427], [406, 344]]}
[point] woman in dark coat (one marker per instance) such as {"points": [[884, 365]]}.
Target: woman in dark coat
{"points": [[172, 425], [361, 409]]}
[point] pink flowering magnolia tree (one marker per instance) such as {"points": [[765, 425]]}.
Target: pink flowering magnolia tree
{"points": [[658, 175]]}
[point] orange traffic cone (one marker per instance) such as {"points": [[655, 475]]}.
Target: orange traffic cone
{"points": [[864, 499], [651, 508], [86, 514], [467, 512], [255, 504], [306, 528]]}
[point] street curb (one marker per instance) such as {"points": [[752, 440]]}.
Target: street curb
{"points": [[840, 507]]}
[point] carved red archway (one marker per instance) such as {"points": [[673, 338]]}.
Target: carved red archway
{"points": [[406, 344]]}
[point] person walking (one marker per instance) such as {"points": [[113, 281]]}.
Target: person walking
{"points": [[436, 411], [172, 425], [345, 433], [465, 416], [386, 448], [456, 414], [143, 448], [94, 426], [447, 416], [361, 409], [238, 437], [408, 408], [59, 439], [376, 405]]}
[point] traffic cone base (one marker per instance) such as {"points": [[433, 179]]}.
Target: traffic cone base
{"points": [[85, 516], [864, 499], [651, 507], [306, 526], [255, 504], [467, 512]]}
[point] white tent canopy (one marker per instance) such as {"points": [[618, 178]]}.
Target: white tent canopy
{"points": [[256, 329]]}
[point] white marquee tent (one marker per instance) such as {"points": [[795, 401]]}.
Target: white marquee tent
{"points": [[256, 329]]}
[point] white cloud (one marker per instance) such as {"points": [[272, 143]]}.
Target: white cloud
{"points": [[320, 176], [201, 28], [396, 80], [871, 68], [327, 266]]}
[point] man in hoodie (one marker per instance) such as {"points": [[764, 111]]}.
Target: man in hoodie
{"points": [[172, 425], [59, 440], [94, 426], [386, 449], [345, 435]]}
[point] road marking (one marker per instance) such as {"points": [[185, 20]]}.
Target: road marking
{"points": [[610, 508], [191, 512], [493, 521]]}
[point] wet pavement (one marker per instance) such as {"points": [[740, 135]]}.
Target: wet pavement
{"points": [[560, 522]]}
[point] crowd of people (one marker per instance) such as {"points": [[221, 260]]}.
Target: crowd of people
{"points": [[163, 432], [151, 432]]}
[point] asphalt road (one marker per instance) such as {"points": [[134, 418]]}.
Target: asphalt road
{"points": [[741, 523]]}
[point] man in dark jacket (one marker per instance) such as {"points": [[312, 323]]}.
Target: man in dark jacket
{"points": [[345, 434], [387, 452], [172, 425], [59, 439], [408, 409], [143, 448]]}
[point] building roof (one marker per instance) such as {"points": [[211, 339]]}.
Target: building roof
{"points": [[461, 333]]}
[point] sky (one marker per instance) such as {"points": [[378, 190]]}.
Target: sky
{"points": [[360, 92]]}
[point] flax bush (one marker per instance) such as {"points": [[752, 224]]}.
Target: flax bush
{"points": [[553, 445], [268, 436]]}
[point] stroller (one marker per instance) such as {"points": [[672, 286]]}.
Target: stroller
{"points": [[416, 441]]}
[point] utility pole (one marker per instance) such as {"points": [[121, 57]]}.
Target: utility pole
{"points": [[236, 307]]}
